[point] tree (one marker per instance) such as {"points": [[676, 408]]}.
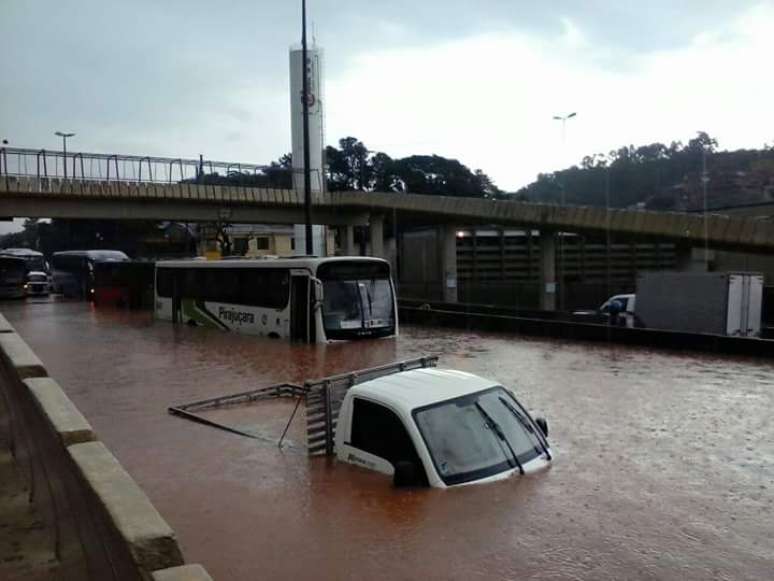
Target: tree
{"points": [[384, 178], [350, 167]]}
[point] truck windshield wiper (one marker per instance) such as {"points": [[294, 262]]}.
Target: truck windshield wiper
{"points": [[527, 426], [500, 434]]}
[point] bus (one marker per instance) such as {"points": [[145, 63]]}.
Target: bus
{"points": [[34, 260], [305, 299], [13, 275], [124, 283], [73, 270]]}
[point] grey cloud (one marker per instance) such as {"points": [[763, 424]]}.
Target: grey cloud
{"points": [[117, 72]]}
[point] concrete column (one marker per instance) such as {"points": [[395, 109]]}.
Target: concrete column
{"points": [[348, 240], [692, 259], [376, 235], [447, 237], [548, 271]]}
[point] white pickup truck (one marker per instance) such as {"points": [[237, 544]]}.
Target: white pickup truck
{"points": [[440, 428], [421, 425], [621, 305]]}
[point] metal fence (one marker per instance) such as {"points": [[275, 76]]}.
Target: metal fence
{"points": [[42, 163]]}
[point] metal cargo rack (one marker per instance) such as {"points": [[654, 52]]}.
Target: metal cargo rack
{"points": [[324, 398], [281, 390]]}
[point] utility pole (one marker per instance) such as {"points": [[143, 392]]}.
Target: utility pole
{"points": [[64, 137], [563, 119], [305, 105], [704, 180]]}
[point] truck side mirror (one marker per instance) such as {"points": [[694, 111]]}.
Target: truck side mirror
{"points": [[405, 474], [543, 425]]}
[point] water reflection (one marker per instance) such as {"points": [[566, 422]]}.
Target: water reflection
{"points": [[664, 462]]}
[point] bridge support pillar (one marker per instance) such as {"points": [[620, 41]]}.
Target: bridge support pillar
{"points": [[548, 286], [447, 236], [376, 235], [347, 239], [692, 259]]}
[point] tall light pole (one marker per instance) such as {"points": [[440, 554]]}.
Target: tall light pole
{"points": [[64, 137], [305, 108], [704, 181], [563, 119]]}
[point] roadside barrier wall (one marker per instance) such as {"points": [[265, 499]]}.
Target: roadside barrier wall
{"points": [[102, 525]]}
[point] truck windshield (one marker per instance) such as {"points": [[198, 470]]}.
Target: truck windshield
{"points": [[462, 443]]}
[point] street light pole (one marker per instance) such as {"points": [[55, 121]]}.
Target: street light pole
{"points": [[704, 180], [563, 119], [305, 108], [64, 137]]}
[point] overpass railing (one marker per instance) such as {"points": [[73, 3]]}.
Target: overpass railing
{"points": [[43, 164]]}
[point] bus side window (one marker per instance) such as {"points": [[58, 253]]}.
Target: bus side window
{"points": [[378, 431]]}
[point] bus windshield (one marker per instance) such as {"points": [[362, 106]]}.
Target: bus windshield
{"points": [[358, 299], [34, 260]]}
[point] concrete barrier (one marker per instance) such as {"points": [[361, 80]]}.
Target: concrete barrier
{"points": [[150, 540], [5, 326], [20, 357], [184, 573], [67, 422], [102, 525]]}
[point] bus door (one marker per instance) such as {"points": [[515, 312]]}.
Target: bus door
{"points": [[302, 326], [177, 300]]}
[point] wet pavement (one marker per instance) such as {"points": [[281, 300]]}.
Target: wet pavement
{"points": [[26, 547], [664, 463]]}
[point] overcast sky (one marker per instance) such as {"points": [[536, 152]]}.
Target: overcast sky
{"points": [[477, 81]]}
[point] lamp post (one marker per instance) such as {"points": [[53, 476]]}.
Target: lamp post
{"points": [[305, 100], [563, 119], [64, 137], [704, 181]]}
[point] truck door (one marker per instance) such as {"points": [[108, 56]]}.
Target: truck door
{"points": [[377, 433], [743, 316]]}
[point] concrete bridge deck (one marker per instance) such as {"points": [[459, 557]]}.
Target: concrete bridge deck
{"points": [[58, 198]]}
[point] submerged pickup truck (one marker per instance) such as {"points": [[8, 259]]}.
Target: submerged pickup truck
{"points": [[421, 425], [440, 428]]}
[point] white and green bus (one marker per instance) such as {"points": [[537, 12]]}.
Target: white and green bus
{"points": [[311, 300]]}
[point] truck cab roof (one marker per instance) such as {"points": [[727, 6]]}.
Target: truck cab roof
{"points": [[408, 390]]}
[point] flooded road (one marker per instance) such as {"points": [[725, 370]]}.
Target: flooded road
{"points": [[664, 463]]}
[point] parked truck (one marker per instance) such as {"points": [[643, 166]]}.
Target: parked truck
{"points": [[720, 303]]}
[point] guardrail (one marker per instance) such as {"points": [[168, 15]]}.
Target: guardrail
{"points": [[552, 325], [43, 163], [102, 525]]}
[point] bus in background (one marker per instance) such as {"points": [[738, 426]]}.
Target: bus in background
{"points": [[73, 270], [34, 260], [37, 280], [126, 283], [305, 299], [13, 274]]}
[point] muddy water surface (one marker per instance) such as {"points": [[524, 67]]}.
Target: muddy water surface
{"points": [[664, 462]]}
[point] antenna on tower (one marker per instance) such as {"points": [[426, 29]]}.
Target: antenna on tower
{"points": [[314, 33]]}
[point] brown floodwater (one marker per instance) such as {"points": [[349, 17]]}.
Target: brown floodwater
{"points": [[664, 462]]}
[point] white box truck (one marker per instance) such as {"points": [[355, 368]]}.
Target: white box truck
{"points": [[719, 303]]}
